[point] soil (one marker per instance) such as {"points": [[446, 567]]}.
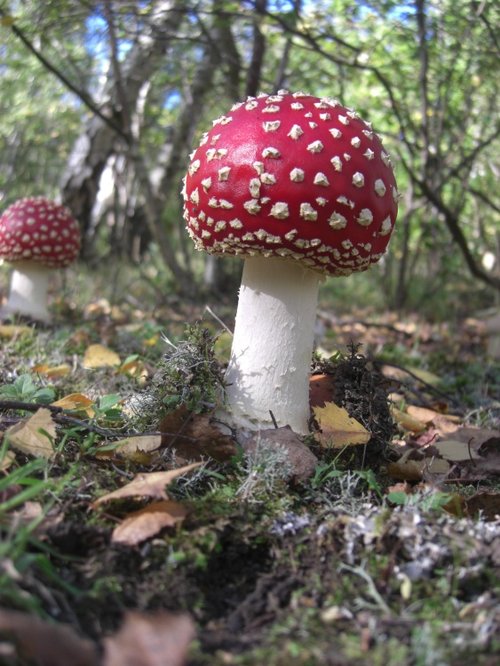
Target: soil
{"points": [[319, 573], [257, 581]]}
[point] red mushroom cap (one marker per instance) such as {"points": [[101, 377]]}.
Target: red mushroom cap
{"points": [[36, 229], [292, 175]]}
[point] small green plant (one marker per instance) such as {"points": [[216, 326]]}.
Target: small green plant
{"points": [[426, 501], [324, 473], [108, 409], [26, 561], [24, 389], [188, 375]]}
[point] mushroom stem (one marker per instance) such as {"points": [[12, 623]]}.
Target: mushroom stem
{"points": [[29, 285], [272, 346]]}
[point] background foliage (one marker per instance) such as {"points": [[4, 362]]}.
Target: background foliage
{"points": [[102, 103]]}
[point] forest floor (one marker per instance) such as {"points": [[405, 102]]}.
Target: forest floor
{"points": [[121, 545]]}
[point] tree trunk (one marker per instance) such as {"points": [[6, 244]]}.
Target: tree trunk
{"points": [[98, 140]]}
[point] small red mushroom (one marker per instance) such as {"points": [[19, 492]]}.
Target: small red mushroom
{"points": [[36, 236], [300, 187]]}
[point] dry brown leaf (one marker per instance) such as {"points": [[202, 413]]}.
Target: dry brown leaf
{"points": [[34, 435], [76, 402], [7, 460], [455, 450], [406, 421], [194, 436], [427, 415], [53, 371], [43, 643], [147, 522], [134, 368], [444, 426], [99, 356], [150, 484], [488, 504], [406, 470], [320, 390], [479, 437], [338, 429], [437, 466], [129, 447], [161, 639]]}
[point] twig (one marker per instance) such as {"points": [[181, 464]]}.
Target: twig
{"points": [[273, 419], [59, 416], [430, 387], [218, 319], [372, 589]]}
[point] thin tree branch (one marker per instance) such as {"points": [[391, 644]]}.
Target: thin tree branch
{"points": [[58, 74], [453, 227]]}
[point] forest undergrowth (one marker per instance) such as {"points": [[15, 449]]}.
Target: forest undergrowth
{"points": [[132, 527]]}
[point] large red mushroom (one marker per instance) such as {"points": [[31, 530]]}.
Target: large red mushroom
{"points": [[36, 236], [301, 188]]}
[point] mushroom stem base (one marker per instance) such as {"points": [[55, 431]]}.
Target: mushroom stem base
{"points": [[272, 345], [28, 291]]}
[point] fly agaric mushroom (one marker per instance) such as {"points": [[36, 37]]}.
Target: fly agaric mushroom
{"points": [[301, 188], [36, 236]]}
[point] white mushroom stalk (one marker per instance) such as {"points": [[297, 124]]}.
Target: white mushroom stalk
{"points": [[272, 345], [29, 286]]}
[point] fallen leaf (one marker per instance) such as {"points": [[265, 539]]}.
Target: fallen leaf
{"points": [[151, 484], [53, 371], [486, 504], [406, 421], [10, 331], [147, 522], [43, 643], [7, 460], [455, 450], [437, 466], [97, 309], [76, 402], [194, 436], [426, 438], [444, 426], [426, 376], [479, 438], [34, 435], [320, 390], [99, 356], [402, 487], [161, 639], [427, 415], [338, 429], [152, 341], [406, 470], [134, 368], [130, 447]]}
